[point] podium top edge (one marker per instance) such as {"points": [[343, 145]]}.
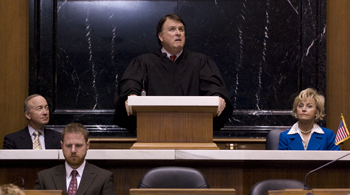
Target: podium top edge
{"points": [[173, 100]]}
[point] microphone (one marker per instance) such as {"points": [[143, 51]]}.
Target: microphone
{"points": [[17, 179], [306, 187], [143, 91]]}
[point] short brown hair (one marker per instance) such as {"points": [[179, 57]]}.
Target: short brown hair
{"points": [[76, 128], [319, 100], [162, 21]]}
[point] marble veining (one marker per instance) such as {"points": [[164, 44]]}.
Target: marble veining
{"points": [[266, 50]]}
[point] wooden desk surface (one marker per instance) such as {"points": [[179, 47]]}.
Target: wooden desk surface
{"points": [[320, 191], [44, 192], [235, 169], [165, 191], [172, 154]]}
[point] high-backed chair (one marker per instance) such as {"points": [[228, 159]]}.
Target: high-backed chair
{"points": [[173, 177], [272, 139], [264, 186]]}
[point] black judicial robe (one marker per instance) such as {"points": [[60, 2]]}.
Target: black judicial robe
{"points": [[192, 74]]}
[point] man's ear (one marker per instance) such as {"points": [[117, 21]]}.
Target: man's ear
{"points": [[160, 37], [27, 115], [88, 144], [61, 144]]}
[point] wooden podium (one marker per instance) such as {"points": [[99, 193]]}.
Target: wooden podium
{"points": [[181, 191], [174, 122], [44, 192], [319, 191]]}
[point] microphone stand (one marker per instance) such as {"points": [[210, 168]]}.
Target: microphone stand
{"points": [[17, 179], [306, 187]]}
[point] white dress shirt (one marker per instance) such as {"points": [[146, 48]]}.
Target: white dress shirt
{"points": [[168, 54], [296, 130]]}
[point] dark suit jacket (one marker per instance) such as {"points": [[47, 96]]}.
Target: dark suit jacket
{"points": [[95, 181], [317, 141], [22, 140]]}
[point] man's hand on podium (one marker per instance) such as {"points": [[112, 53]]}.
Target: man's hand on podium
{"points": [[222, 105], [126, 105]]}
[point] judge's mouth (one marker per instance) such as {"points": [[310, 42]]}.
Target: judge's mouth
{"points": [[178, 40]]}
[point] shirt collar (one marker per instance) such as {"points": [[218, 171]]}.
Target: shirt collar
{"points": [[80, 169], [168, 54], [31, 130], [295, 129]]}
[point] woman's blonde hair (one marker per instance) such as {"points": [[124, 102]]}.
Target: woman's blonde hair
{"points": [[10, 189], [319, 100]]}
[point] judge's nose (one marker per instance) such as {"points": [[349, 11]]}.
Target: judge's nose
{"points": [[178, 32]]}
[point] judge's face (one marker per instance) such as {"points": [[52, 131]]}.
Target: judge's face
{"points": [[74, 149], [306, 110], [38, 114], [172, 36]]}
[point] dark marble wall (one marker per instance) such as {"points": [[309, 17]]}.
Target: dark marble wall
{"points": [[267, 51]]}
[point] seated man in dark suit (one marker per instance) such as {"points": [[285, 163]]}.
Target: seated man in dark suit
{"points": [[35, 135], [76, 176]]}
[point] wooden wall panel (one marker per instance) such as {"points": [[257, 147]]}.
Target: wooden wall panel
{"points": [[240, 175], [338, 64], [14, 58], [14, 64]]}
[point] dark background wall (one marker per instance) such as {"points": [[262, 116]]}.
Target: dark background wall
{"points": [[267, 51]]}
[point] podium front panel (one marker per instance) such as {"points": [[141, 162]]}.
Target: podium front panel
{"points": [[174, 127], [174, 121]]}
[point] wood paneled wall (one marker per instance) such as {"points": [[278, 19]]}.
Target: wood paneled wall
{"points": [[14, 60], [237, 174], [338, 64], [14, 64]]}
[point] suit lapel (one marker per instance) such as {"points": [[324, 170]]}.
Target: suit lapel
{"points": [[24, 139], [296, 142], [59, 178], [315, 141], [88, 176]]}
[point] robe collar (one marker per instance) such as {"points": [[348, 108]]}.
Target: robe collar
{"points": [[168, 54]]}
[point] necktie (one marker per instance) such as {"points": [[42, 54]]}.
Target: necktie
{"points": [[36, 143], [172, 58], [73, 185]]}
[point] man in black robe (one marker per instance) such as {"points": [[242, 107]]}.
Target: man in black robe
{"points": [[172, 71]]}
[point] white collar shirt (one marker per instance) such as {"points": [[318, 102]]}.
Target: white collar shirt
{"points": [[296, 130], [168, 54]]}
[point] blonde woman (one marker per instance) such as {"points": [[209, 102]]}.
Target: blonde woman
{"points": [[306, 134], [10, 189]]}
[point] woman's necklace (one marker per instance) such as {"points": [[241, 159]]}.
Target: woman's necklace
{"points": [[305, 132]]}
